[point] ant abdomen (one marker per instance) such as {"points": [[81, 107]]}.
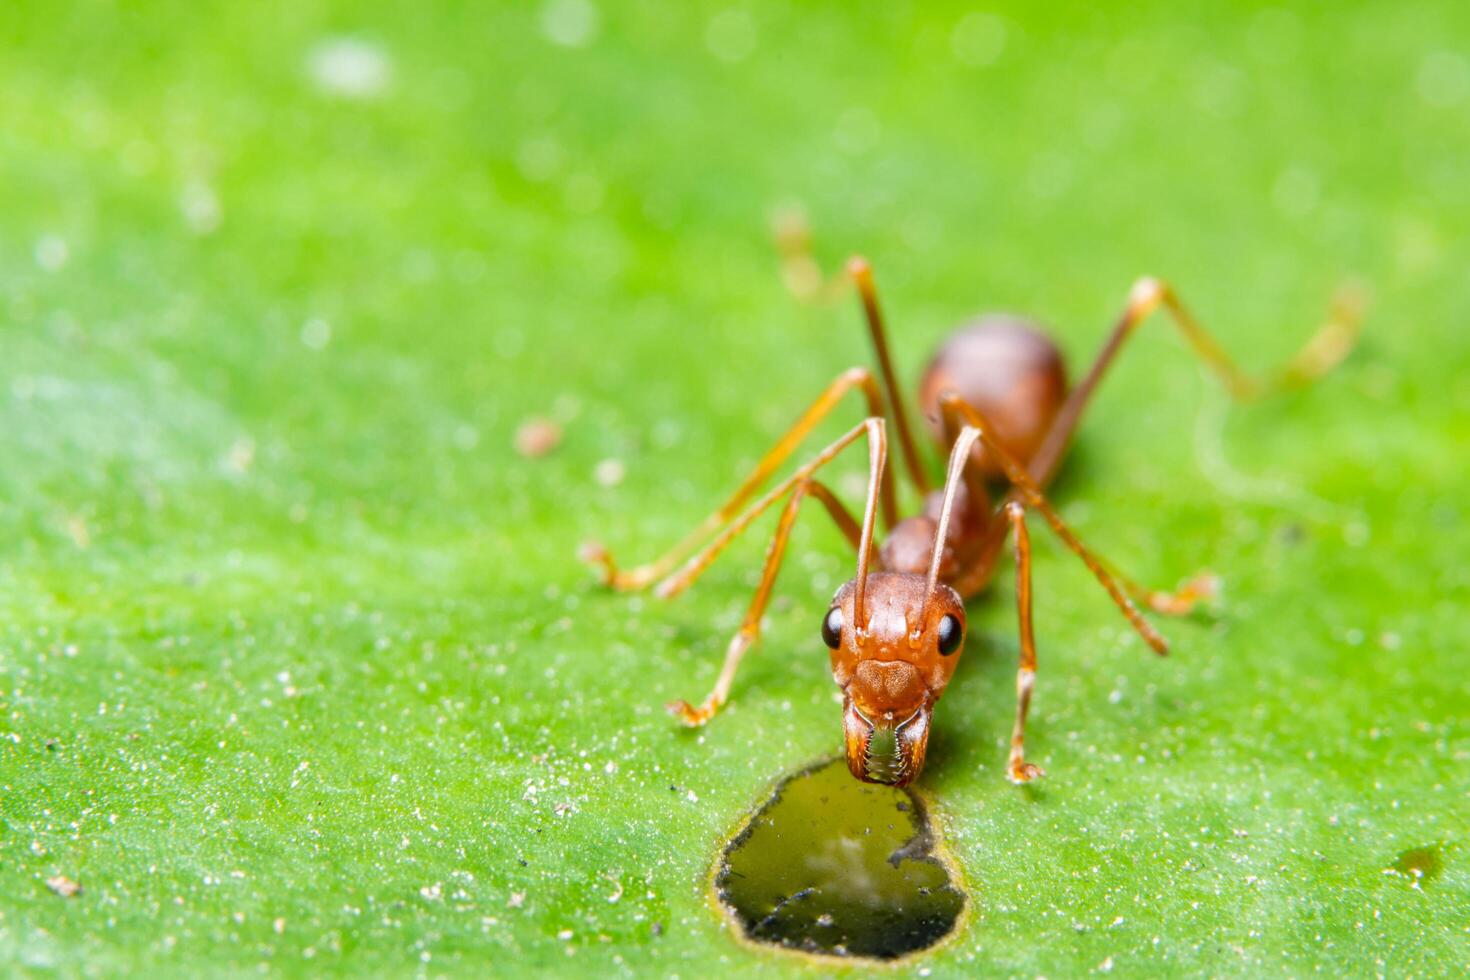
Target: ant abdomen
{"points": [[1008, 370]]}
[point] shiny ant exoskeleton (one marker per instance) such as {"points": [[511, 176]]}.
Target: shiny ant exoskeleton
{"points": [[996, 397]]}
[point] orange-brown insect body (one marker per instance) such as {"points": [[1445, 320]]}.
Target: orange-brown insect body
{"points": [[995, 395], [890, 667], [1009, 371]]}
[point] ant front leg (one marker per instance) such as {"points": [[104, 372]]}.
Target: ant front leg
{"points": [[1018, 769], [799, 485]]}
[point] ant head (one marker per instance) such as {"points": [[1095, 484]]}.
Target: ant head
{"points": [[893, 653]]}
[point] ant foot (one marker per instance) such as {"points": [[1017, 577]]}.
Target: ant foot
{"points": [[799, 270], [1023, 772], [1181, 602], [691, 716], [593, 553]]}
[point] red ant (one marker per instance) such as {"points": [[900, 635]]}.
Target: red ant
{"points": [[996, 397]]}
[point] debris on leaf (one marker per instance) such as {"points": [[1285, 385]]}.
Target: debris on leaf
{"points": [[63, 886], [609, 472], [536, 437]]}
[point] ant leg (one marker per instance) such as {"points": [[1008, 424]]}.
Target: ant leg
{"points": [[1178, 603], [1018, 769], [645, 575], [1322, 351], [1197, 588], [1031, 495], [862, 276], [750, 627], [837, 510], [805, 280], [800, 272], [877, 455], [798, 486]]}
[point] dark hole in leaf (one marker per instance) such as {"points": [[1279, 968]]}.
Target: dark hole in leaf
{"points": [[1420, 865], [834, 866]]}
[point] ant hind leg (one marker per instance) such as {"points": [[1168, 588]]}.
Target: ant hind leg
{"points": [[1331, 342], [800, 272]]}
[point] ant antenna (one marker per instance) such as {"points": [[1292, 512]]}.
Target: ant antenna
{"points": [[877, 459], [958, 457]]}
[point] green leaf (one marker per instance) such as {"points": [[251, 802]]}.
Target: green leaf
{"points": [[298, 668]]}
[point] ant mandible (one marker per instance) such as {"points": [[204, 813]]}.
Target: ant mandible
{"points": [[996, 397]]}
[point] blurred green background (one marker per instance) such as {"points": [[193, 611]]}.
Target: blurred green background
{"points": [[298, 671]]}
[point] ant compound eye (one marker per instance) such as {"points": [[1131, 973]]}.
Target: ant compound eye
{"points": [[951, 634], [832, 628]]}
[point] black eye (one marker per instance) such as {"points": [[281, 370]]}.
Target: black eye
{"points": [[832, 628], [951, 634]]}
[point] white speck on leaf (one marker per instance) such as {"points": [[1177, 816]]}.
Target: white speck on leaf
{"points": [[200, 207], [316, 333], [570, 23], [51, 252], [609, 472], [350, 68]]}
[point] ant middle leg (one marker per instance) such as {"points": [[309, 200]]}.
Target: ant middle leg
{"points": [[1322, 351], [642, 576], [955, 414], [860, 536]]}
